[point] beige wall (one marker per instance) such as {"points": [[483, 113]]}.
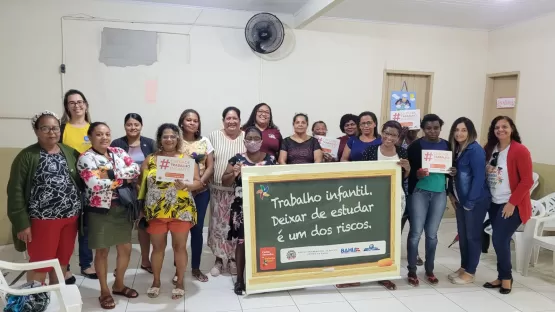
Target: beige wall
{"points": [[528, 47]]}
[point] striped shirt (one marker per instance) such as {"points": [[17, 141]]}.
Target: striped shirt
{"points": [[224, 149]]}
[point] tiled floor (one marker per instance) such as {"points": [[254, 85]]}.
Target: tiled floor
{"points": [[535, 292]]}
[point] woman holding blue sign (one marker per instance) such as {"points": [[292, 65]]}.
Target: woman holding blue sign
{"points": [[232, 176]]}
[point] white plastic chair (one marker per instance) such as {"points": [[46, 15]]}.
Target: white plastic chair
{"points": [[538, 240], [548, 203], [68, 297]]}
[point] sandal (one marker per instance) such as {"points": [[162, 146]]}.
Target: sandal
{"points": [[413, 280], [153, 292], [432, 279], [239, 288], [199, 276], [126, 292], [145, 268], [174, 280], [389, 285], [178, 293], [107, 302]]}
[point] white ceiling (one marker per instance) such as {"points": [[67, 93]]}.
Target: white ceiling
{"points": [[273, 6], [474, 14]]}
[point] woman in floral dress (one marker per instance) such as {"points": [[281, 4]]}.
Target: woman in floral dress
{"points": [[232, 176]]}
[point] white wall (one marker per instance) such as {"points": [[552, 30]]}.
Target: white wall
{"points": [[528, 47], [336, 68]]}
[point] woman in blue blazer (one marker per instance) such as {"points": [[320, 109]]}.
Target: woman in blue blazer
{"points": [[469, 194]]}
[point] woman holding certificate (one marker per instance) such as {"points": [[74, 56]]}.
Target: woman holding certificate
{"points": [[232, 177], [509, 173], [169, 207], [427, 197]]}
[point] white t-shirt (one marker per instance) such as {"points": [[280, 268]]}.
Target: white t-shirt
{"points": [[399, 185], [498, 180]]}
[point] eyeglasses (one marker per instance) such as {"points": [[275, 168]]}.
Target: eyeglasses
{"points": [[494, 158], [169, 137], [263, 112], [366, 123], [392, 135], [46, 129], [80, 103]]}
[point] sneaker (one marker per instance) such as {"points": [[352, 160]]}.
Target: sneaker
{"points": [[232, 266], [216, 269]]}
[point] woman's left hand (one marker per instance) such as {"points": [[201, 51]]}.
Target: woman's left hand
{"points": [[508, 210], [452, 171], [404, 163], [328, 157], [180, 184]]}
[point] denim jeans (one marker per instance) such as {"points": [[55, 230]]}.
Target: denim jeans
{"points": [[425, 212], [503, 230], [85, 254], [201, 201], [470, 228]]}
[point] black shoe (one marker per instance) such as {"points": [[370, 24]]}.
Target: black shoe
{"points": [[491, 286], [71, 280], [506, 291], [239, 288], [91, 275]]}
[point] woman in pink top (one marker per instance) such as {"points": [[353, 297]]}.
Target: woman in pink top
{"points": [[261, 117]]}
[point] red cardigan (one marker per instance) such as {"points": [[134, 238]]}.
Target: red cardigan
{"points": [[519, 163]]}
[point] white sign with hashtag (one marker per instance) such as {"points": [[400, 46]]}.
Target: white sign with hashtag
{"points": [[407, 118], [169, 169], [437, 161]]}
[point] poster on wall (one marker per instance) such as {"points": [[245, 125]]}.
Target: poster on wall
{"points": [[403, 100], [407, 118], [506, 102]]}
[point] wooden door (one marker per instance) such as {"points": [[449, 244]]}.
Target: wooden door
{"points": [[418, 82], [498, 86]]}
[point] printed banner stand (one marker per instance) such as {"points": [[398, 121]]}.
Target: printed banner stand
{"points": [[314, 224]]}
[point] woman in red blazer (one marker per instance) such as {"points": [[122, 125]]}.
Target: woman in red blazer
{"points": [[509, 173]]}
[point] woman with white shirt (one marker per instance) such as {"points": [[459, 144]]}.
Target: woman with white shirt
{"points": [[509, 173]]}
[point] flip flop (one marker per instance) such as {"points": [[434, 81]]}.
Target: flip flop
{"points": [[126, 292], [148, 269], [178, 293], [106, 302], [200, 276], [389, 285], [153, 292]]}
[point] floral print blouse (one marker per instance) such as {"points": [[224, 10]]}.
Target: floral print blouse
{"points": [[163, 200], [100, 192], [199, 151]]}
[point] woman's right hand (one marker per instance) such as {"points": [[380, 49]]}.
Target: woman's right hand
{"points": [[236, 170], [490, 169], [103, 173], [422, 172], [25, 235]]}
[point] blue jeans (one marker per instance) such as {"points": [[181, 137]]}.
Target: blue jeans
{"points": [[201, 201], [425, 212], [85, 254], [470, 228], [503, 230]]}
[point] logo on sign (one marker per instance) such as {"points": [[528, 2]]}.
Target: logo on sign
{"points": [[350, 250], [371, 248], [164, 164], [396, 116], [291, 255], [263, 191], [428, 156]]}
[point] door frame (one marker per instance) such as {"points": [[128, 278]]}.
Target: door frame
{"points": [[385, 88], [488, 99]]}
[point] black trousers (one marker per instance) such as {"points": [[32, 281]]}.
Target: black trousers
{"points": [[485, 237]]}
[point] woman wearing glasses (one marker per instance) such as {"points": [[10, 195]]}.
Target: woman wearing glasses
{"points": [[388, 150], [75, 124], [261, 117], [44, 198], [509, 174], [469, 194], [368, 135]]}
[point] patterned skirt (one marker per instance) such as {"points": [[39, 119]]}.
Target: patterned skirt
{"points": [[221, 199]]}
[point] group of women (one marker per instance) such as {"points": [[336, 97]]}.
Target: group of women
{"points": [[76, 181]]}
